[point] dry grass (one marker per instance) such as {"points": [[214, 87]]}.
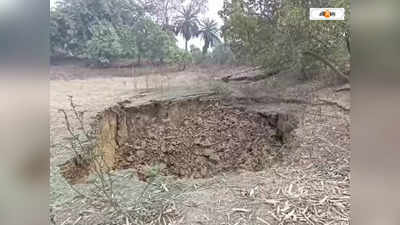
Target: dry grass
{"points": [[96, 94]]}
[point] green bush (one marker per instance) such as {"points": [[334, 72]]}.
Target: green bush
{"points": [[197, 55], [222, 54], [128, 44], [180, 57], [104, 45]]}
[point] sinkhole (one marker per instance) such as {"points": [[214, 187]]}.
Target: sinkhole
{"points": [[191, 138]]}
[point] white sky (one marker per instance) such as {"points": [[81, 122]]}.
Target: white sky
{"points": [[213, 7], [52, 2]]}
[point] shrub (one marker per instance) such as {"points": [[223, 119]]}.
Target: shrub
{"points": [[222, 54]]}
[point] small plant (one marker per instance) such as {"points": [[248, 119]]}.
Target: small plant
{"points": [[154, 171], [83, 145]]}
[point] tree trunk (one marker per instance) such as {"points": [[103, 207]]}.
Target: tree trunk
{"points": [[139, 60], [205, 48], [348, 45], [328, 63], [186, 45]]}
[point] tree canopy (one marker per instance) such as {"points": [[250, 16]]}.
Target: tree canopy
{"points": [[278, 34], [187, 22], [104, 30]]}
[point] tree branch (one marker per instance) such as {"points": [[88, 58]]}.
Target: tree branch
{"points": [[328, 63]]}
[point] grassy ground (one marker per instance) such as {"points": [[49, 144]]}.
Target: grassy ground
{"points": [[310, 186]]}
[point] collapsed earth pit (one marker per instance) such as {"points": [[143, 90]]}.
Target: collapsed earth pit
{"points": [[192, 138]]}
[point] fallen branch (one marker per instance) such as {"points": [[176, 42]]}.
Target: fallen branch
{"points": [[343, 88], [247, 70], [248, 78], [327, 102], [241, 210]]}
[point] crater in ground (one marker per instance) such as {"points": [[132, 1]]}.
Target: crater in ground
{"points": [[192, 138]]}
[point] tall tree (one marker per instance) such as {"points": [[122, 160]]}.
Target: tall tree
{"points": [[209, 33], [187, 22], [163, 11]]}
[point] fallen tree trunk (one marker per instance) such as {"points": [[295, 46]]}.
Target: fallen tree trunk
{"points": [[249, 78], [345, 87]]}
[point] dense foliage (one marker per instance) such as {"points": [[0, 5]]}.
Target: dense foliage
{"points": [[278, 34], [104, 30], [105, 43], [221, 54]]}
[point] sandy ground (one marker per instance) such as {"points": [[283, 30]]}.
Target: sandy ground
{"points": [[96, 94], [311, 186]]}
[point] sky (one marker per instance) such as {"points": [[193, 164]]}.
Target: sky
{"points": [[213, 7]]}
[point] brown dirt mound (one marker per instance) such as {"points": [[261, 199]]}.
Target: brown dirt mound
{"points": [[74, 172], [190, 138]]}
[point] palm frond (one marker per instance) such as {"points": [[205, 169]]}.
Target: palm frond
{"points": [[209, 33]]}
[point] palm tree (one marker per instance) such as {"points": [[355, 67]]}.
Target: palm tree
{"points": [[209, 33], [187, 23]]}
